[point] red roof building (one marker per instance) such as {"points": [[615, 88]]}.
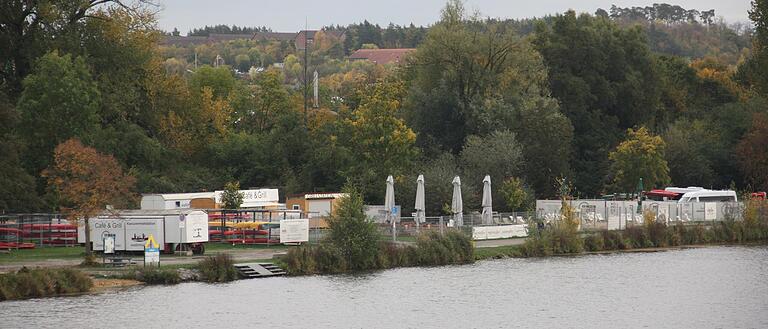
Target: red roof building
{"points": [[382, 56]]}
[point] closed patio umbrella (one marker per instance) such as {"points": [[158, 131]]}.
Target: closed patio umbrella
{"points": [[389, 204], [487, 201], [457, 205], [421, 216]]}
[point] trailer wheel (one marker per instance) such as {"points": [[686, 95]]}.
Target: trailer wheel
{"points": [[198, 249]]}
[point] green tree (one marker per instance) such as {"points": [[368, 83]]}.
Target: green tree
{"points": [[232, 198], [17, 187], [692, 148], [32, 28], [353, 233], [517, 196], [468, 77], [753, 153], [605, 79], [498, 155], [641, 155], [60, 101], [220, 80], [383, 144], [755, 70], [243, 62]]}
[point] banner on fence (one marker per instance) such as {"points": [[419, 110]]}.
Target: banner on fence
{"points": [[499, 232]]}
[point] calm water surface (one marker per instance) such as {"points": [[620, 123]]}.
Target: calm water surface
{"points": [[717, 287]]}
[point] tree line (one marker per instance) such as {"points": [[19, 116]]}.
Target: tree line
{"points": [[573, 96]]}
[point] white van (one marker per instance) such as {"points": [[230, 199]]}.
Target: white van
{"points": [[705, 195]]}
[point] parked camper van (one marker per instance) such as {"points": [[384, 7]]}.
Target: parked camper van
{"points": [[704, 195]]}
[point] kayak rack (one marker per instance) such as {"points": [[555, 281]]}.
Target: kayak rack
{"points": [[258, 270]]}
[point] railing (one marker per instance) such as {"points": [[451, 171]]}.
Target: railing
{"points": [[36, 230]]}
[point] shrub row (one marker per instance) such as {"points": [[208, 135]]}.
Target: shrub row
{"points": [[431, 249], [563, 239], [154, 275], [218, 268], [31, 283]]}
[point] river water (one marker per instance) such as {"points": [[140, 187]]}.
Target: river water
{"points": [[714, 287]]}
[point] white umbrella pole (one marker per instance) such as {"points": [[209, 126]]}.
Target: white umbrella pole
{"points": [[394, 228]]}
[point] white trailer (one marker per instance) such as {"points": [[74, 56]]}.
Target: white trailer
{"points": [[173, 230]]}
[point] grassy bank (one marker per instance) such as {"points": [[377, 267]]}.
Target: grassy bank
{"points": [[41, 254], [562, 240], [31, 283], [430, 249]]}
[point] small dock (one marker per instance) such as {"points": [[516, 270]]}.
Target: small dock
{"points": [[258, 270]]}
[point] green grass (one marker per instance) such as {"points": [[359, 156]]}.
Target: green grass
{"points": [[40, 254], [497, 252]]}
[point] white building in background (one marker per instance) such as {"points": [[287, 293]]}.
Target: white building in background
{"points": [[169, 201], [257, 198], [267, 198]]}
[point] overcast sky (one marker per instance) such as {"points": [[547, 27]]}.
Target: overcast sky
{"points": [[289, 15]]}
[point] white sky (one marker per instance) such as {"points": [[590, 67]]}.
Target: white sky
{"points": [[290, 15]]}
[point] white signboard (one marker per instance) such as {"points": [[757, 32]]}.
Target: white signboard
{"points": [[137, 231], [151, 257], [151, 251], [254, 197], [109, 244], [710, 211], [499, 232], [294, 230]]}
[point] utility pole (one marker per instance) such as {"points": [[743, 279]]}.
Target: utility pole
{"points": [[306, 90]]}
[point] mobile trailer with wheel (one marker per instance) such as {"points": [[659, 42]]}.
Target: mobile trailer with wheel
{"points": [[173, 230]]}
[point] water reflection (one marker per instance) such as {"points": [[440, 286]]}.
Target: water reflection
{"points": [[695, 288]]}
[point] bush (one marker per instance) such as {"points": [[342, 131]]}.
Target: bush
{"points": [[430, 249], [454, 247], [594, 242], [353, 234], [154, 275], [218, 268], [27, 283]]}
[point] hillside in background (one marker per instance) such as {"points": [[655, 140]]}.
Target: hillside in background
{"points": [[600, 100]]}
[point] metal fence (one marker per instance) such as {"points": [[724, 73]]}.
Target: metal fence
{"points": [[36, 230], [612, 215]]}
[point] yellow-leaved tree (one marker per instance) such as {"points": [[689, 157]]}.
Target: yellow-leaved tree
{"points": [[382, 142], [641, 155]]}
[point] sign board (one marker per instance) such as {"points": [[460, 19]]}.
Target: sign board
{"points": [[254, 197], [109, 244], [294, 230], [313, 196], [138, 230], [151, 252], [499, 232], [100, 229], [710, 211], [151, 257]]}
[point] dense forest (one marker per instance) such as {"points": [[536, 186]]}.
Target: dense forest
{"points": [[663, 93]]}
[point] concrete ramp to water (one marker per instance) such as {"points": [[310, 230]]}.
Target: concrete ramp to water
{"points": [[258, 270]]}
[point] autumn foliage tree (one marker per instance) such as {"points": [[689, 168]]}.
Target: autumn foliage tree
{"points": [[753, 153], [641, 155], [86, 181]]}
